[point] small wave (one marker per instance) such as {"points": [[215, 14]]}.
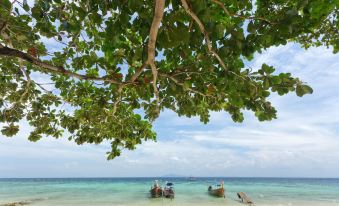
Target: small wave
{"points": [[17, 203], [39, 199], [25, 202]]}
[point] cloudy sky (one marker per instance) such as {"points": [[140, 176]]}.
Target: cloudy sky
{"points": [[302, 142]]}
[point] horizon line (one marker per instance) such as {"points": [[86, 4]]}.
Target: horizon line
{"points": [[129, 177]]}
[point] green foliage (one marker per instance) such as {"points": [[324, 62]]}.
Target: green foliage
{"points": [[106, 43], [10, 130]]}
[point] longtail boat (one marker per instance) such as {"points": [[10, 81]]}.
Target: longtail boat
{"points": [[217, 190], [169, 190], [156, 190]]}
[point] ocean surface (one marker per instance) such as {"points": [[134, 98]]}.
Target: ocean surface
{"points": [[135, 191]]}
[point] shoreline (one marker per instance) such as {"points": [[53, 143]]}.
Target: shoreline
{"points": [[135, 191]]}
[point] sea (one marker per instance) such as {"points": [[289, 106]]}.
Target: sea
{"points": [[188, 192]]}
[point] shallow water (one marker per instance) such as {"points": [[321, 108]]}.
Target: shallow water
{"points": [[135, 191]]}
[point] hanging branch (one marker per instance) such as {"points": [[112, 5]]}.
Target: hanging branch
{"points": [[157, 18]]}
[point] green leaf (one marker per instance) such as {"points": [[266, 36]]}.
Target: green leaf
{"points": [[302, 89], [34, 137], [220, 29], [251, 28], [10, 130], [267, 69], [25, 5]]}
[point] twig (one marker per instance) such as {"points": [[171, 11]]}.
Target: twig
{"points": [[115, 106], [138, 72], [182, 85], [29, 81], [240, 16]]}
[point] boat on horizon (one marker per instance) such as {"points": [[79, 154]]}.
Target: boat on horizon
{"points": [[156, 191], [217, 190], [168, 191], [191, 179]]}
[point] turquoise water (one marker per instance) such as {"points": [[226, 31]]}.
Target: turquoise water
{"points": [[135, 191]]}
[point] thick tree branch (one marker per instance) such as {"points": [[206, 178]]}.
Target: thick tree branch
{"points": [[240, 16], [6, 51], [205, 33], [157, 18]]}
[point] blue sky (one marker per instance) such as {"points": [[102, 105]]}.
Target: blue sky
{"points": [[302, 142]]}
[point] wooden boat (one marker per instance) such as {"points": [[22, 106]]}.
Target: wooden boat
{"points": [[168, 191], [156, 190], [217, 190]]}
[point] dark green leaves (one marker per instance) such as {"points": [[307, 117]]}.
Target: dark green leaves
{"points": [[6, 4]]}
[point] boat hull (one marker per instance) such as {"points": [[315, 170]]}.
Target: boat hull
{"points": [[168, 193], [220, 192], [156, 192]]}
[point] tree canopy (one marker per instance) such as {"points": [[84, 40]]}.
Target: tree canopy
{"points": [[112, 66]]}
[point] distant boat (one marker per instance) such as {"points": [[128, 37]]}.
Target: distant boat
{"points": [[191, 179], [156, 190], [168, 191], [217, 190]]}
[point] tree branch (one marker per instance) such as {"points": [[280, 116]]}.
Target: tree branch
{"points": [[28, 78], [138, 72], [3, 26], [203, 30], [176, 81], [6, 51], [157, 18]]}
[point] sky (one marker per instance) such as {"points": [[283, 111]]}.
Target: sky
{"points": [[302, 142]]}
